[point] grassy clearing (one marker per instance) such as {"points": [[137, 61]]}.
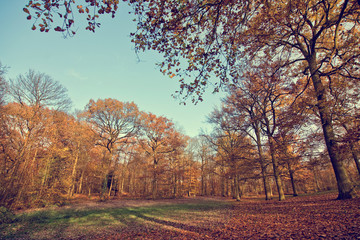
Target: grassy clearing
{"points": [[79, 223], [316, 216]]}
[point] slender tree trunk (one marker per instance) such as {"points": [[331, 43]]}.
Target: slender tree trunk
{"points": [[202, 184], [316, 180], [111, 185], [73, 174], [268, 194], [276, 170], [121, 183], [131, 188], [31, 168], [206, 178], [202, 176], [236, 188], [270, 181], [81, 181], [27, 175], [345, 187], [291, 173], [45, 177], [355, 156], [227, 190], [154, 181], [222, 181], [175, 186], [353, 150]]}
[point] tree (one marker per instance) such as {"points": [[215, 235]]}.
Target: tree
{"points": [[260, 99], [116, 124], [215, 38], [312, 37], [158, 141], [204, 155], [233, 147], [344, 99], [39, 90], [30, 140], [242, 105], [28, 121]]}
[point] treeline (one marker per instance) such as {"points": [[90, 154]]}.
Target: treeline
{"points": [[269, 130], [110, 148], [266, 141]]}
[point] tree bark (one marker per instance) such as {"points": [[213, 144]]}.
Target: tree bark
{"points": [[73, 174], [276, 169], [353, 150], [236, 188], [111, 184], [81, 181], [291, 173], [345, 187], [268, 194], [155, 181], [289, 154], [355, 156]]}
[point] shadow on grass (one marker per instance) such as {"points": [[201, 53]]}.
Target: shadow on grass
{"points": [[66, 223]]}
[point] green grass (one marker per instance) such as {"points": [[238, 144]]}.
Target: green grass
{"points": [[62, 223]]}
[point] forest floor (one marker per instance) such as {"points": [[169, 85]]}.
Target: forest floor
{"points": [[303, 217]]}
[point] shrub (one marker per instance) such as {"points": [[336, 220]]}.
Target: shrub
{"points": [[6, 216]]}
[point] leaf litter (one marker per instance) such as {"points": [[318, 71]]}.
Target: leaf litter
{"points": [[303, 217]]}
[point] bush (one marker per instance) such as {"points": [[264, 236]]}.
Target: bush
{"points": [[6, 216]]}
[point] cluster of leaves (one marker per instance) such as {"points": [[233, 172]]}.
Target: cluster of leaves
{"points": [[46, 11]]}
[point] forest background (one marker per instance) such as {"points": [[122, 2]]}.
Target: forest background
{"points": [[271, 135]]}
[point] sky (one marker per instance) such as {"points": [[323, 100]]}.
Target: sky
{"points": [[98, 65]]}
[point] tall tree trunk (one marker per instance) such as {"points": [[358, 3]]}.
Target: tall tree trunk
{"points": [[316, 180], [290, 155], [345, 187], [268, 193], [355, 156], [276, 169], [236, 188], [154, 181], [73, 174], [81, 181], [222, 181], [353, 150], [111, 184], [202, 176], [291, 173], [175, 186]]}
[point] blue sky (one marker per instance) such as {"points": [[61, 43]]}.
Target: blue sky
{"points": [[100, 65]]}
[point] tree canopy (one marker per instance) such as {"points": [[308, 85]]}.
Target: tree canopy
{"points": [[212, 42]]}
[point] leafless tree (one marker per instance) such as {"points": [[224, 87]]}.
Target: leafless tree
{"points": [[40, 90]]}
